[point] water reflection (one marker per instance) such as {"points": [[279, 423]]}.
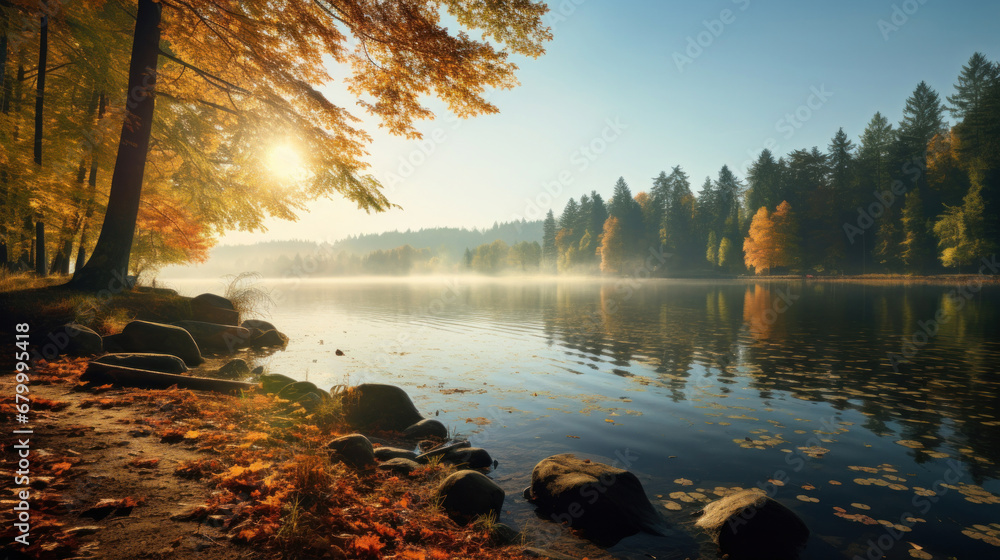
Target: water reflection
{"points": [[817, 342]]}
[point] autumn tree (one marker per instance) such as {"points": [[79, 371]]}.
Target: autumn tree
{"points": [[251, 71], [612, 249], [759, 248]]}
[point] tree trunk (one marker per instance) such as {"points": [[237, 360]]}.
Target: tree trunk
{"points": [[81, 253], [43, 55], [108, 265], [40, 249]]}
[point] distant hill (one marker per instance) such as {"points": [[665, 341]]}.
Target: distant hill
{"points": [[446, 243]]}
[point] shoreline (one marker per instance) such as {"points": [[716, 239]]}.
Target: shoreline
{"points": [[122, 472]]}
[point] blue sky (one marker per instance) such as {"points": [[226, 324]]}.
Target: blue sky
{"points": [[621, 92]]}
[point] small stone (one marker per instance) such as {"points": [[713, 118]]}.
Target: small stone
{"points": [[354, 450], [427, 428], [399, 465]]}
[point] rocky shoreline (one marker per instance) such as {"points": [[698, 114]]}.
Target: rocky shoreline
{"points": [[389, 436]]}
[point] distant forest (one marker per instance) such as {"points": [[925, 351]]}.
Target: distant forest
{"points": [[919, 196], [396, 252]]}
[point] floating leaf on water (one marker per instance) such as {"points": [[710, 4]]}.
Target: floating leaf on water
{"points": [[912, 444], [683, 482], [863, 481], [917, 553], [872, 470], [938, 455], [923, 491], [672, 506], [835, 483], [804, 498], [897, 487], [861, 506], [815, 451], [916, 520], [775, 482], [808, 486], [893, 478]]}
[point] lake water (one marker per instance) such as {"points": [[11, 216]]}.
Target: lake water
{"points": [[700, 386]]}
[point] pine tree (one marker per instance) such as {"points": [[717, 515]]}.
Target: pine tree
{"points": [[550, 254], [764, 181], [918, 250], [975, 79], [923, 118], [629, 214], [841, 163]]}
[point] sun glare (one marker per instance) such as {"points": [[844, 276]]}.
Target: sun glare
{"points": [[285, 163]]}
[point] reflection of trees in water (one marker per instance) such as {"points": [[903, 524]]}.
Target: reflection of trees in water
{"points": [[829, 345]]}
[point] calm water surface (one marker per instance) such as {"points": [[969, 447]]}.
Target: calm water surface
{"points": [[701, 387]]}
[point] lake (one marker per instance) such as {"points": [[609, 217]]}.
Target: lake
{"points": [[871, 409]]}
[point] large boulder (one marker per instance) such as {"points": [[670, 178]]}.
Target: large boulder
{"points": [[143, 336], [164, 363], [372, 405], [354, 450], [748, 525], [81, 341], [466, 495], [606, 503], [211, 308], [213, 336]]}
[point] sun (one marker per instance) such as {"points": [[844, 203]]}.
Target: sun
{"points": [[285, 163]]}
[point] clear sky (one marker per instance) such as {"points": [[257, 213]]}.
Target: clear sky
{"points": [[632, 87]]}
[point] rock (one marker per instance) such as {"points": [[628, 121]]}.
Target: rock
{"points": [[143, 336], [339, 352], [354, 450], [211, 308], [114, 343], [82, 341], [472, 457], [502, 534], [427, 428], [258, 324], [308, 401], [268, 339], [274, 382], [164, 363], [399, 465], [235, 368], [606, 503], [466, 495], [257, 370], [215, 301], [748, 525], [388, 453], [213, 336], [435, 449], [382, 406], [294, 391]]}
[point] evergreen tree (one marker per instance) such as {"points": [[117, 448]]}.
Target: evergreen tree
{"points": [[923, 118], [468, 258], [841, 163], [629, 214], [678, 235], [973, 82], [550, 254], [764, 180]]}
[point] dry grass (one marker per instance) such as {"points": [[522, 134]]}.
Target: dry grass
{"points": [[249, 298]]}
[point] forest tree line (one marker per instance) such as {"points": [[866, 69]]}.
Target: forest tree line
{"points": [[919, 196]]}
